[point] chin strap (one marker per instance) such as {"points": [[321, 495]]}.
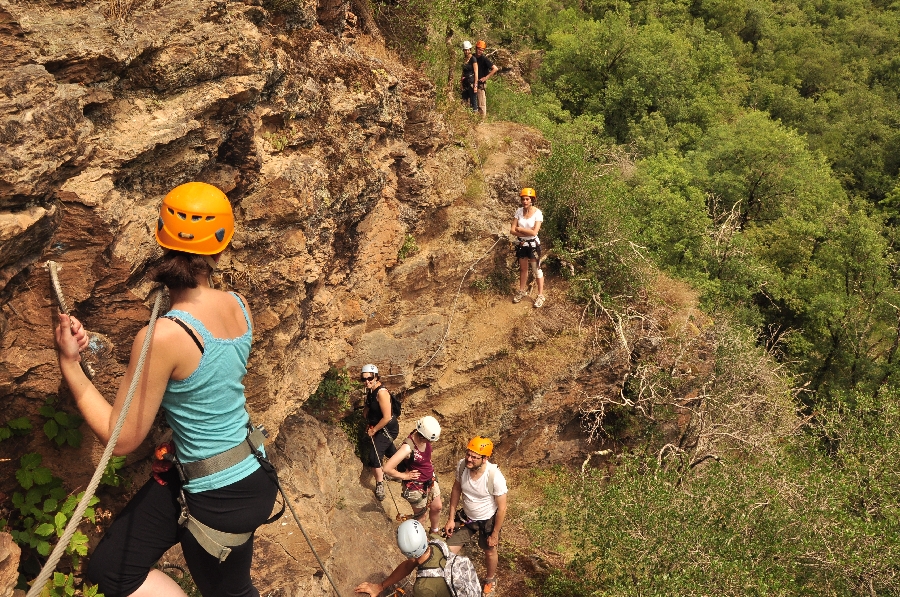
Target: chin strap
{"points": [[210, 261]]}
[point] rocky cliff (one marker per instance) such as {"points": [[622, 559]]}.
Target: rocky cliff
{"points": [[333, 156]]}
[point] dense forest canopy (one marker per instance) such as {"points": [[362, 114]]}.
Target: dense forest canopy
{"points": [[750, 148]]}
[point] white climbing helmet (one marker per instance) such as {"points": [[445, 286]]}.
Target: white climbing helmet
{"points": [[467, 45], [412, 539], [370, 368], [429, 428]]}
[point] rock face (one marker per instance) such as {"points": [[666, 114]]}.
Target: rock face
{"points": [[332, 159], [9, 565]]}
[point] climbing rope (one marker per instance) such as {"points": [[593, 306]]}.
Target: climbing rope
{"points": [[42, 578], [64, 307], [305, 535], [453, 306], [381, 466]]}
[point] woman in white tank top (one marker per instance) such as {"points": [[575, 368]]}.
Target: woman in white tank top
{"points": [[525, 226]]}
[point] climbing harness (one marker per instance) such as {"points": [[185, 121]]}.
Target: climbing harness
{"points": [[213, 540], [219, 543]]}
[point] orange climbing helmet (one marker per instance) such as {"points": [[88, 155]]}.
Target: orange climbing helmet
{"points": [[528, 192], [195, 218], [480, 44], [481, 445]]}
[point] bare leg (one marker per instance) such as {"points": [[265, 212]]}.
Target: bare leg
{"points": [[540, 281], [434, 512], [159, 584], [523, 275], [379, 474], [490, 562]]}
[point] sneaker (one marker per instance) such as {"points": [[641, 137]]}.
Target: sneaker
{"points": [[379, 491], [520, 295], [490, 586], [539, 302]]}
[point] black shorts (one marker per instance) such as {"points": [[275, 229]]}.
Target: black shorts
{"points": [[466, 530], [148, 527], [529, 249], [384, 443]]}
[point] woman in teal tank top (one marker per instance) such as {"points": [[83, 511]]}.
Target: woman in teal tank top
{"points": [[194, 371]]}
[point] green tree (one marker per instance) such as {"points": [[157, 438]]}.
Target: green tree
{"points": [[651, 84]]}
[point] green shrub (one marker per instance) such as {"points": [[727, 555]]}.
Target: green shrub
{"points": [[813, 518], [408, 248], [331, 400]]}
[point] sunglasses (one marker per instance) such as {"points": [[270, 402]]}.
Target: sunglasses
{"points": [[365, 379]]}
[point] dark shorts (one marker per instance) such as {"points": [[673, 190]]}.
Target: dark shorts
{"points": [[464, 533], [148, 527], [384, 444], [530, 250]]}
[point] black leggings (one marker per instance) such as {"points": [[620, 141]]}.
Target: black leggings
{"points": [[148, 527]]}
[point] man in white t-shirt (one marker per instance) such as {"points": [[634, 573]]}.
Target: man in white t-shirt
{"points": [[483, 490]]}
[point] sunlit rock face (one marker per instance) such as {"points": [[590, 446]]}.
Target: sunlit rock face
{"points": [[331, 158]]}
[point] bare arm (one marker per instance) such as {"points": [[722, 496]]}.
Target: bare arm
{"points": [[98, 413], [400, 572], [454, 502], [523, 231], [494, 538], [390, 467]]}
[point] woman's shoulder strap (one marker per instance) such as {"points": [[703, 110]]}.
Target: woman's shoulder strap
{"points": [[243, 309]]}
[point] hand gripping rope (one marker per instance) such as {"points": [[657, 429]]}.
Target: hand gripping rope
{"points": [[42, 578], [38, 584]]}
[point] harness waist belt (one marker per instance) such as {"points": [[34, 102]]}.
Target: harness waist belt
{"points": [[217, 543], [222, 460]]}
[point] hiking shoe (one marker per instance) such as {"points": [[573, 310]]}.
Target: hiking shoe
{"points": [[490, 586], [379, 491], [520, 295], [539, 302]]}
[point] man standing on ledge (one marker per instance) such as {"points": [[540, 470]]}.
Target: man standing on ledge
{"points": [[486, 70], [483, 490]]}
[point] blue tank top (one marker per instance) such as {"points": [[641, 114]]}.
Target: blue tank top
{"points": [[206, 410]]}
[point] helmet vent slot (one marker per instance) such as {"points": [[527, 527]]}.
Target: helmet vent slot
{"points": [[181, 216], [196, 218], [186, 235], [210, 218]]}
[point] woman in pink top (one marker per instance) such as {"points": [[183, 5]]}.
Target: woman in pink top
{"points": [[420, 487]]}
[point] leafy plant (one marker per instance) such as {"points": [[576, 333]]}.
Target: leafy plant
{"points": [[110, 474], [278, 141], [20, 426], [61, 427], [43, 510], [331, 400], [63, 585], [408, 248], [817, 515]]}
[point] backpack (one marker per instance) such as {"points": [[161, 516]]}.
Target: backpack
{"points": [[396, 405], [459, 573]]}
